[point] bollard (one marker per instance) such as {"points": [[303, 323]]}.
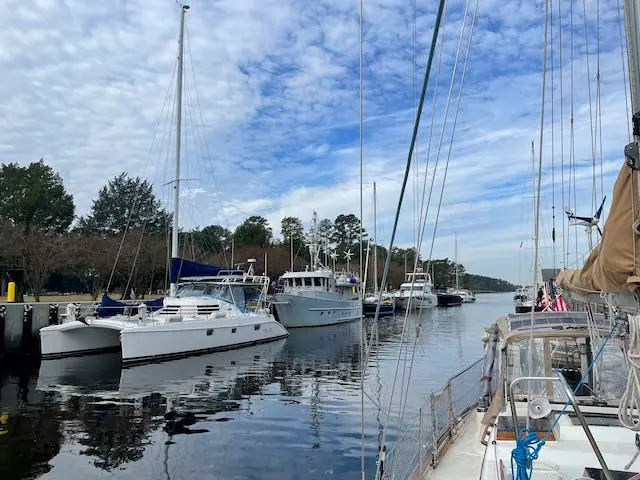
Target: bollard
{"points": [[53, 314], [11, 292], [27, 323], [3, 320]]}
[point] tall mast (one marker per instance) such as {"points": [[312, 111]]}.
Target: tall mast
{"points": [[456, 254], [233, 246], [291, 245], [176, 181], [632, 24], [533, 208], [375, 239]]}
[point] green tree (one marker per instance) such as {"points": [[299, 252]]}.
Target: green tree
{"points": [[292, 229], [255, 230], [212, 238], [34, 198], [122, 202], [346, 232]]}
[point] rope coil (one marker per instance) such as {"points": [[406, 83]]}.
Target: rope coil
{"points": [[527, 448]]}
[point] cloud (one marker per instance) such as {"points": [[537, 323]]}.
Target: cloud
{"points": [[271, 116]]}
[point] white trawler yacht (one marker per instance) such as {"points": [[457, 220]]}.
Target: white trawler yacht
{"points": [[318, 296], [416, 292], [206, 312]]}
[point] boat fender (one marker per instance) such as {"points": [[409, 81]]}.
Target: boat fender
{"points": [[71, 312], [142, 313]]}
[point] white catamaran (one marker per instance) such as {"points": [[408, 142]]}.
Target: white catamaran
{"points": [[206, 312]]}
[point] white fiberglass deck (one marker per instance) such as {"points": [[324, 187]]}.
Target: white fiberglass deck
{"points": [[563, 459]]}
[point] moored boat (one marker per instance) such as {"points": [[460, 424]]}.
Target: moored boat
{"points": [[449, 300], [387, 305]]}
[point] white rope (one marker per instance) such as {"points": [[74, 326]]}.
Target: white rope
{"points": [[630, 401]]}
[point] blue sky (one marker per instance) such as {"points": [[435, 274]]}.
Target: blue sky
{"points": [[84, 87]]}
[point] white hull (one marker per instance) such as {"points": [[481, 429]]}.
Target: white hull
{"points": [[77, 338], [315, 311], [197, 336], [424, 301], [140, 343]]}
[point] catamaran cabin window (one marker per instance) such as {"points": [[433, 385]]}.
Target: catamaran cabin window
{"points": [[307, 282]]}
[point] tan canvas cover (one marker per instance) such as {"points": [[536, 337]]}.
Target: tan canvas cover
{"points": [[614, 259]]}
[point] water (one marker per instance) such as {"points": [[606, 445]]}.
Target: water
{"points": [[283, 410]]}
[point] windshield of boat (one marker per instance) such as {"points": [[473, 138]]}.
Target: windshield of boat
{"points": [[571, 356], [199, 289], [245, 297]]}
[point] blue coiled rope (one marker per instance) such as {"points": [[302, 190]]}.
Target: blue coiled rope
{"points": [[527, 448]]}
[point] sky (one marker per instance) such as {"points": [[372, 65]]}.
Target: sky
{"points": [[271, 112]]}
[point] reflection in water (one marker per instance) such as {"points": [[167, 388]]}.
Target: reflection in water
{"points": [[285, 410]]}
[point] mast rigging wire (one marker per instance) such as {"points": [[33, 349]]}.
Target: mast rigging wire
{"points": [[135, 201], [408, 164], [362, 331], [591, 127], [564, 245], [536, 220]]}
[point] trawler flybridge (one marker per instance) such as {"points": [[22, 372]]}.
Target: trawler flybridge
{"points": [[213, 310]]}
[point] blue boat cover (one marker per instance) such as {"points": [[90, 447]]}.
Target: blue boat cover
{"points": [[109, 307], [181, 267]]}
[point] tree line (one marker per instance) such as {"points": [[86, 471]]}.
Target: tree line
{"points": [[122, 243]]}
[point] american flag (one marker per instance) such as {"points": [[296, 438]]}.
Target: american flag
{"points": [[552, 299]]}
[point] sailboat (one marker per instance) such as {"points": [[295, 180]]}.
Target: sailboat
{"points": [[467, 296], [553, 400], [370, 302], [204, 313]]}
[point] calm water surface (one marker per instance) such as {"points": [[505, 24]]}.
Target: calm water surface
{"points": [[283, 410]]}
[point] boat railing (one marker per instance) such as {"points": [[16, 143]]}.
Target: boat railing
{"points": [[422, 441], [576, 408]]}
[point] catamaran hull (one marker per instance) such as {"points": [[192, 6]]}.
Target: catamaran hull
{"points": [[142, 343], [77, 338], [174, 340], [299, 311]]}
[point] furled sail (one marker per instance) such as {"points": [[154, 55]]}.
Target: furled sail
{"points": [[615, 259], [109, 307], [182, 268]]}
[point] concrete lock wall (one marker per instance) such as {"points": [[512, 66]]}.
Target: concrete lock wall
{"points": [[16, 323]]}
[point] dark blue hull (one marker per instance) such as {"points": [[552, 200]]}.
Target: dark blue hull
{"points": [[369, 309], [449, 300]]}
